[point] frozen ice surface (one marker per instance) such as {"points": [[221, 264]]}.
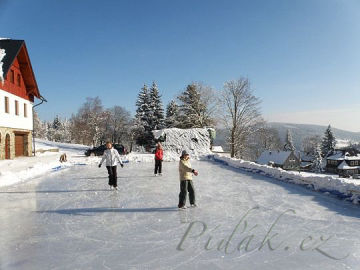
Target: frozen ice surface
{"points": [[70, 220]]}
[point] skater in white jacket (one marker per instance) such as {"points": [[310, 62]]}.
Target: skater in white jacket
{"points": [[111, 156]]}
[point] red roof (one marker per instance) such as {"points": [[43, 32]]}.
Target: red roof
{"points": [[17, 49]]}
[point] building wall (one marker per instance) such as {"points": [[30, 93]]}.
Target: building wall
{"points": [[11, 120], [292, 162], [27, 141]]}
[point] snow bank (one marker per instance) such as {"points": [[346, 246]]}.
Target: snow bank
{"points": [[174, 140], [139, 157], [63, 147], [23, 169], [341, 187], [217, 148]]}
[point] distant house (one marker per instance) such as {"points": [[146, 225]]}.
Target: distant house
{"points": [[344, 163], [18, 88], [307, 161], [286, 160]]}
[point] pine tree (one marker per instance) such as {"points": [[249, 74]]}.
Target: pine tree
{"points": [[289, 145], [193, 110], [328, 142], [172, 115], [156, 108], [56, 124], [143, 118], [317, 165], [143, 107]]}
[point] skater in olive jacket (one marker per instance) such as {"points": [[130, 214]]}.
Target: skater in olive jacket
{"points": [[186, 184]]}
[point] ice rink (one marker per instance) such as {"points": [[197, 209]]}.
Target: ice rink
{"points": [[70, 220]]}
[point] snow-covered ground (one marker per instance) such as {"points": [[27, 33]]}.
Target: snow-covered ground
{"points": [[341, 143], [342, 187], [68, 219], [25, 168]]}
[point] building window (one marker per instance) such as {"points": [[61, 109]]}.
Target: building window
{"points": [[6, 104], [25, 110], [18, 80], [332, 162], [354, 163], [12, 76], [16, 107]]}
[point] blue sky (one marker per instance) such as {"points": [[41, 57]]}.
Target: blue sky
{"points": [[302, 57]]}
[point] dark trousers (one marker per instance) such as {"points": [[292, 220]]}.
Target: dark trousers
{"points": [[112, 175], [158, 166], [186, 185]]}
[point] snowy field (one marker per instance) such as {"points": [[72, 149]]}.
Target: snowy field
{"points": [[22, 169], [68, 219]]}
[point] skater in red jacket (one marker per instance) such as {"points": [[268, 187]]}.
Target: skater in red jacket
{"points": [[159, 153]]}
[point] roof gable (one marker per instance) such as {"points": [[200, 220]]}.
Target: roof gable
{"points": [[17, 49]]}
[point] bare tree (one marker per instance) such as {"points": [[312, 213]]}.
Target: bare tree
{"points": [[240, 113], [40, 128], [118, 122], [310, 145], [88, 124], [262, 138]]}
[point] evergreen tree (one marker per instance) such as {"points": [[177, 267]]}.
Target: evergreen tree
{"points": [[289, 145], [156, 108], [172, 115], [143, 119], [317, 165], [56, 124], [193, 111], [143, 107], [328, 142]]}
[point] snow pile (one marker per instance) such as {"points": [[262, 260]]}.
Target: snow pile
{"points": [[342, 187], [23, 169], [2, 55], [139, 157], [174, 140], [63, 147], [217, 148]]}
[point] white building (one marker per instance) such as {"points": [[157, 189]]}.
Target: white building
{"points": [[18, 88]]}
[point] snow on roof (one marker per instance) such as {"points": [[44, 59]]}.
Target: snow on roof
{"points": [[278, 157], [344, 166], [337, 156], [341, 156], [306, 157], [2, 55]]}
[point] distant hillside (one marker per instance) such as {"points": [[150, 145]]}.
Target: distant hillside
{"points": [[299, 133]]}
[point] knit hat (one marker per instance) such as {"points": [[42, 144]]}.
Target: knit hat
{"points": [[184, 153]]}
